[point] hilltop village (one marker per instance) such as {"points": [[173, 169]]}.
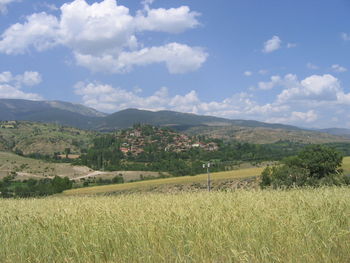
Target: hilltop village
{"points": [[136, 139]]}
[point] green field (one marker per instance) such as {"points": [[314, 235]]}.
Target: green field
{"points": [[310, 225]]}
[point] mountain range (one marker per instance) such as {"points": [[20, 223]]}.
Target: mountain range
{"points": [[79, 116]]}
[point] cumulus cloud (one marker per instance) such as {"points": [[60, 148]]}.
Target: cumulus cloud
{"points": [[39, 32], [11, 85], [296, 117], [315, 87], [4, 4], [178, 58], [272, 44], [173, 20], [28, 78], [107, 98], [104, 35], [339, 69], [289, 80]]}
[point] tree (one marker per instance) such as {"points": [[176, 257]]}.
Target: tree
{"points": [[314, 166], [67, 152]]}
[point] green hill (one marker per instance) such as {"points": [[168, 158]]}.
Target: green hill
{"points": [[42, 138]]}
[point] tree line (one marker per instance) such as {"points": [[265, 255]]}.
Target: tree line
{"points": [[9, 187]]}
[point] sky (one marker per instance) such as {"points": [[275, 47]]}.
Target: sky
{"points": [[274, 61]]}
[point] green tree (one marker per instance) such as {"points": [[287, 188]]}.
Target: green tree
{"points": [[314, 166], [67, 152]]}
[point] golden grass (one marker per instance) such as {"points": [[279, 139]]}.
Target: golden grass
{"points": [[346, 165], [309, 225], [236, 174]]}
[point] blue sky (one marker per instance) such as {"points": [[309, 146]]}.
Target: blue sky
{"points": [[275, 61]]}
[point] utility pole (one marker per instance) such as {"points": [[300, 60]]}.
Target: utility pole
{"points": [[207, 165]]}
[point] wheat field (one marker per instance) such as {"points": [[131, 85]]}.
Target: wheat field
{"points": [[183, 180], [309, 225]]}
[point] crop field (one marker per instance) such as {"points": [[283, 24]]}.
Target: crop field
{"points": [[309, 225], [183, 180], [346, 165]]}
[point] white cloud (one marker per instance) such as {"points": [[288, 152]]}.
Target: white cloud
{"points": [[4, 4], [296, 117], [276, 81], [107, 98], [313, 88], [31, 78], [6, 77], [28, 78], [339, 69], [248, 73], [177, 57], [39, 32], [10, 92], [11, 86], [272, 44], [312, 66], [291, 45], [104, 35], [345, 36], [173, 20]]}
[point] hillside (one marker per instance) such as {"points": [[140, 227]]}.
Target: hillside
{"points": [[337, 132], [26, 168], [263, 135], [42, 138], [59, 112]]}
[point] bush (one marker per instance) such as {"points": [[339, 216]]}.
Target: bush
{"points": [[118, 179], [316, 165]]}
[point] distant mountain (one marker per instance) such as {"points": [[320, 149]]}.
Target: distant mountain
{"points": [[64, 113], [177, 120], [82, 117], [337, 131]]}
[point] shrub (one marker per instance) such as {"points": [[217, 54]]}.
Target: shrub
{"points": [[316, 165]]}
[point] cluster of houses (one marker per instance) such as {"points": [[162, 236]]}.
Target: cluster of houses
{"points": [[135, 140], [8, 124]]}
